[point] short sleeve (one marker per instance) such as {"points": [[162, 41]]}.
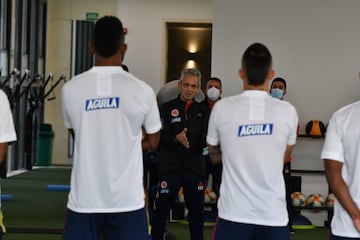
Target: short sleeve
{"points": [[332, 148], [67, 121], [294, 128], [212, 137], [152, 123]]}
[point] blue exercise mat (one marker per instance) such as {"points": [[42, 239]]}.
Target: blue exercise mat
{"points": [[58, 188], [6, 197]]}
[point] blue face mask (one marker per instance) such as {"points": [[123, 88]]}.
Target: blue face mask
{"points": [[277, 93]]}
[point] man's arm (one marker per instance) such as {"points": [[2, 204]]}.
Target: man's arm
{"points": [[341, 190], [3, 149], [215, 154], [288, 151], [150, 141]]}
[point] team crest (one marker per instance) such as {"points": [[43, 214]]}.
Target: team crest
{"points": [[163, 184], [163, 188], [200, 186], [174, 112]]}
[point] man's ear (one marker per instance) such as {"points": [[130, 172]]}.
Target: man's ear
{"points": [[243, 77], [123, 49], [268, 79], [271, 74], [241, 73], [92, 47]]}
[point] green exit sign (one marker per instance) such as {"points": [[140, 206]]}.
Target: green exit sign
{"points": [[92, 16]]}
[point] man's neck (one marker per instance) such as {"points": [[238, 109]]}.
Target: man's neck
{"points": [[107, 63], [258, 88], [187, 101], [263, 87], [115, 60]]}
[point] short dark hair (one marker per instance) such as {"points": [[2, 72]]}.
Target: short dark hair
{"points": [[216, 79], [108, 35], [256, 63], [278, 79]]}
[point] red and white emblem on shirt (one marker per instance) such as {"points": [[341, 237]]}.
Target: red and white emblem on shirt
{"points": [[174, 112], [200, 186], [163, 184]]}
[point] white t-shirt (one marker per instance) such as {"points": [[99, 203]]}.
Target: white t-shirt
{"points": [[253, 130], [7, 130], [106, 107], [342, 143]]}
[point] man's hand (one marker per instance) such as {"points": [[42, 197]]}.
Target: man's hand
{"points": [[181, 138]]}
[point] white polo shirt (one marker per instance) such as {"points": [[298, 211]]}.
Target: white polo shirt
{"points": [[253, 130], [106, 107], [342, 143]]}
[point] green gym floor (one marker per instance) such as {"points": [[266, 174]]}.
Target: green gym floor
{"points": [[36, 214]]}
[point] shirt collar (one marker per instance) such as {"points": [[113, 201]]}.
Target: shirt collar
{"points": [[107, 69], [255, 93]]}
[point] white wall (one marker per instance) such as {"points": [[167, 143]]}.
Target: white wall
{"points": [[145, 56], [60, 15], [315, 47], [146, 37]]}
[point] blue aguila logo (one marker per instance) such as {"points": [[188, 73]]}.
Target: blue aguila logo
{"points": [[255, 129], [102, 103]]}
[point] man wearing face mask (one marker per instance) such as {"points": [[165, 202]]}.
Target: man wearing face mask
{"points": [[278, 90], [213, 93]]}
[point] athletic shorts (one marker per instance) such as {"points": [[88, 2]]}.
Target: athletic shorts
{"points": [[333, 237], [228, 230], [93, 226]]}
